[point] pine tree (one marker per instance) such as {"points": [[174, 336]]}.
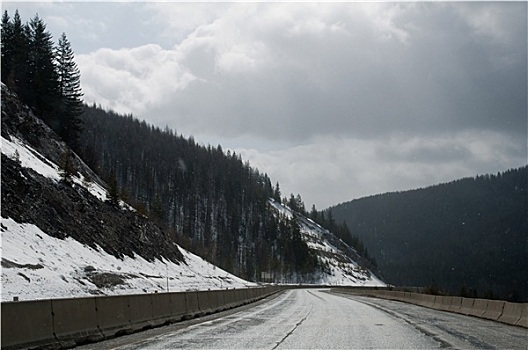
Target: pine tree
{"points": [[44, 95], [277, 193], [113, 190], [67, 167], [15, 55], [69, 85], [314, 214], [7, 45]]}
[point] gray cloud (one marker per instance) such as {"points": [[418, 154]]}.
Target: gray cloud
{"points": [[415, 69], [334, 100]]}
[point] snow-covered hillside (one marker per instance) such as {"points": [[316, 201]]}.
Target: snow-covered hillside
{"points": [[38, 266], [338, 267]]}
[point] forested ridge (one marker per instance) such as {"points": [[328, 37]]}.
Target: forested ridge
{"points": [[209, 200], [466, 237]]}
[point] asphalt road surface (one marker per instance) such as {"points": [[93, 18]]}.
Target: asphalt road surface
{"points": [[318, 319]]}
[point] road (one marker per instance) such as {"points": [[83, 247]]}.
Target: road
{"points": [[318, 319]]}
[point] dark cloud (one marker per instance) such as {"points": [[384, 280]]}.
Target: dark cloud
{"points": [[427, 70]]}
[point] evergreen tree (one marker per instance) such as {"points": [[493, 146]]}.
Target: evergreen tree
{"points": [[15, 55], [314, 214], [113, 191], [300, 204], [292, 203], [277, 193], [46, 79], [67, 167], [69, 85], [44, 94], [7, 44]]}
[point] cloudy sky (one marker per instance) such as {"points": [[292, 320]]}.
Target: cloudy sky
{"points": [[336, 101]]}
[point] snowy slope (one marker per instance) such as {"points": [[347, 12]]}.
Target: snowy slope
{"points": [[30, 158], [340, 268], [38, 266]]}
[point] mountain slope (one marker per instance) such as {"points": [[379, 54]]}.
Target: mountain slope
{"points": [[210, 201], [64, 238], [469, 236], [38, 266]]}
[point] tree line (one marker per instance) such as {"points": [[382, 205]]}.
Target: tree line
{"points": [[43, 74], [209, 200]]}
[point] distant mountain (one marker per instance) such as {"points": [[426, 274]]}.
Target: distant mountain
{"points": [[466, 237]]}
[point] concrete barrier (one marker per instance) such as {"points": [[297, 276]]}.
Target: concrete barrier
{"points": [[438, 302], [466, 308], [62, 323], [479, 307], [523, 322], [178, 306], [163, 310], [112, 315], [241, 296], [501, 311], [494, 310], [442, 303], [425, 300], [218, 295], [255, 294], [192, 306], [208, 302], [398, 296], [455, 305], [140, 311], [230, 299], [75, 321], [251, 295], [512, 313], [56, 323], [27, 322]]}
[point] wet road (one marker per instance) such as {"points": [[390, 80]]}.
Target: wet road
{"points": [[317, 319]]}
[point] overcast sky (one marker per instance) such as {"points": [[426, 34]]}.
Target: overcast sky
{"points": [[336, 101]]}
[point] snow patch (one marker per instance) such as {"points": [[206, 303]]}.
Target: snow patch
{"points": [[38, 266], [28, 157]]}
